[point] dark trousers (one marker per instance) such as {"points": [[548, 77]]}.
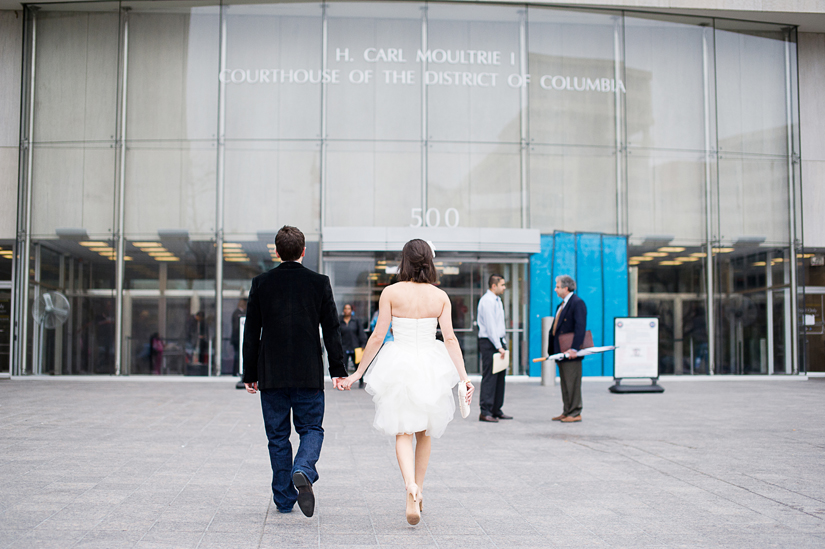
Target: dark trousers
{"points": [[570, 373], [492, 385], [307, 407]]}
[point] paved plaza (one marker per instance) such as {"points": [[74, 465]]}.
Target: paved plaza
{"points": [[146, 463]]}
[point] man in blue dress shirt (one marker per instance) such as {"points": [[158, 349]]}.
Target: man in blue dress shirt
{"points": [[492, 340]]}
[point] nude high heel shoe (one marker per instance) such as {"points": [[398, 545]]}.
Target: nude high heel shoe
{"points": [[413, 505]]}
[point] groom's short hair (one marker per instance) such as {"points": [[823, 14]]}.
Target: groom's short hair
{"points": [[289, 243]]}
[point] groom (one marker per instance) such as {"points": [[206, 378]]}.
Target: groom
{"points": [[282, 354]]}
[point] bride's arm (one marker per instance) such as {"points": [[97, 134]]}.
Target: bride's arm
{"points": [[376, 339], [451, 342]]}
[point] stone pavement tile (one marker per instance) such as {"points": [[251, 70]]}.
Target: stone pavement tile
{"points": [[236, 524], [23, 520], [181, 538], [404, 540], [8, 536], [110, 538], [505, 526], [348, 539], [345, 525], [576, 541], [463, 541], [166, 525], [226, 540], [38, 536], [281, 539], [534, 540]]}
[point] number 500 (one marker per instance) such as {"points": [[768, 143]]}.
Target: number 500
{"points": [[433, 218]]}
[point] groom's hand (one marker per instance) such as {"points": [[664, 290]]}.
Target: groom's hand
{"points": [[251, 388], [338, 383]]}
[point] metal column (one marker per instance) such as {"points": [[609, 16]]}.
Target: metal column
{"points": [[220, 172], [425, 137], [121, 200], [793, 345], [709, 312], [617, 73], [24, 254], [525, 119], [323, 160]]}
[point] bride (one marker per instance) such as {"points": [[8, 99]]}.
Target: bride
{"points": [[412, 378]]}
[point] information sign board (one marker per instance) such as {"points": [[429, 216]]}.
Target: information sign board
{"points": [[637, 347]]}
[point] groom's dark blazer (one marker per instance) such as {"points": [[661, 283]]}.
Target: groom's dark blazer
{"points": [[573, 319], [281, 343]]}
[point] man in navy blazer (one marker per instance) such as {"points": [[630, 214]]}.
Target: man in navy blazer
{"points": [[283, 357], [571, 316]]}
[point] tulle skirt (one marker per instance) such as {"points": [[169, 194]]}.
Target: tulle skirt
{"points": [[412, 388]]}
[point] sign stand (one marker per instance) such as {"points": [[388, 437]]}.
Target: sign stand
{"points": [[636, 355]]}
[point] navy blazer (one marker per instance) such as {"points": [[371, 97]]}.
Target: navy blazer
{"points": [[573, 319], [281, 343]]}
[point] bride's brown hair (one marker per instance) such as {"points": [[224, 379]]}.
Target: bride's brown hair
{"points": [[417, 263]]}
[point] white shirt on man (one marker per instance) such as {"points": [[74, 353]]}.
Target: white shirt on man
{"points": [[491, 319]]}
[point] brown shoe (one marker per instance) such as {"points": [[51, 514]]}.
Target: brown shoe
{"points": [[572, 419], [559, 418], [489, 419]]}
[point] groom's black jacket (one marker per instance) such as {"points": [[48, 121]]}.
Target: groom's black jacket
{"points": [[281, 343]]}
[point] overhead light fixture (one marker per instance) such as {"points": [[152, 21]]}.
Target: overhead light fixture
{"points": [[670, 263], [641, 258], [722, 250], [173, 234], [686, 259], [748, 241], [632, 262], [167, 258], [161, 254], [147, 244], [103, 249], [655, 254], [232, 245], [93, 243], [657, 239], [72, 234], [758, 264], [672, 249], [698, 254]]}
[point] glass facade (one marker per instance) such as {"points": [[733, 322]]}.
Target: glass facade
{"points": [[164, 144]]}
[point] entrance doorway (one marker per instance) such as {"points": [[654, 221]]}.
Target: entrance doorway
{"points": [[358, 279]]}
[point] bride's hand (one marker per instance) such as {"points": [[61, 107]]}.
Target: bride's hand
{"points": [[347, 382], [470, 390]]}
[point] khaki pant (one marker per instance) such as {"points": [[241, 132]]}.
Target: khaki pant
{"points": [[570, 373]]}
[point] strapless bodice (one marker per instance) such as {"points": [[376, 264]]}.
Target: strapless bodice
{"points": [[414, 332]]}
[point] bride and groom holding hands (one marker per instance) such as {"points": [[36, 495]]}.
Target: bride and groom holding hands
{"points": [[410, 379]]}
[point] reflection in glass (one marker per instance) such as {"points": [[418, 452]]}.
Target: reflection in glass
{"points": [[273, 59], [169, 307], [464, 102], [579, 47], [671, 286], [481, 182], [573, 189], [372, 183]]}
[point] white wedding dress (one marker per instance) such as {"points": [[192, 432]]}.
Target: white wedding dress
{"points": [[411, 380]]}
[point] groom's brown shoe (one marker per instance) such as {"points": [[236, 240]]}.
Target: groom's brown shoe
{"points": [[559, 418], [572, 419], [489, 419], [306, 499]]}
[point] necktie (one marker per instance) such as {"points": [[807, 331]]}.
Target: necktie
{"points": [[558, 314]]}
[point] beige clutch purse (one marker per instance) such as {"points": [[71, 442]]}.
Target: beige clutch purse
{"points": [[462, 399]]}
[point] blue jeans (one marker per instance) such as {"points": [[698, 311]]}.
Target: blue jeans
{"points": [[307, 407]]}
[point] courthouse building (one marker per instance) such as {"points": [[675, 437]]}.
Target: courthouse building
{"points": [[668, 154]]}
